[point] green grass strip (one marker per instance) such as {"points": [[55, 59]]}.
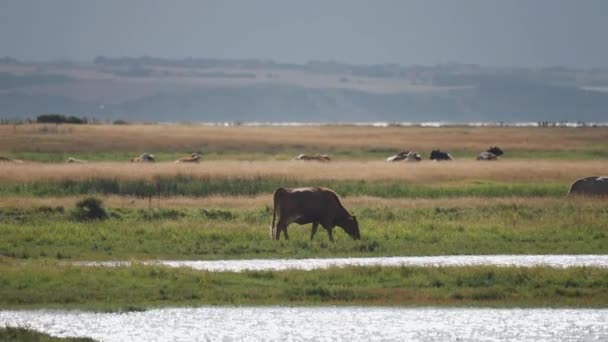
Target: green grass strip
{"points": [[24, 335], [197, 187], [31, 285]]}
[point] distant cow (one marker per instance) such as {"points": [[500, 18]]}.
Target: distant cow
{"points": [[404, 155], [590, 186], [194, 158], [487, 156], [439, 155], [311, 205], [408, 156], [397, 157], [10, 160], [144, 158], [75, 161], [313, 157], [495, 150]]}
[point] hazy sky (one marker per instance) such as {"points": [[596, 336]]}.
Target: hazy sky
{"points": [[487, 32]]}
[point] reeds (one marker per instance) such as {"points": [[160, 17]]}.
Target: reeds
{"points": [[426, 172]]}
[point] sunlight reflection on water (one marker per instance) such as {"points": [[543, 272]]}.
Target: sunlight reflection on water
{"points": [[320, 324]]}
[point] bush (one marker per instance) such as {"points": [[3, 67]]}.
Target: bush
{"points": [[58, 119], [90, 208]]}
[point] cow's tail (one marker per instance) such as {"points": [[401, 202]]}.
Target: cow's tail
{"points": [[275, 204]]}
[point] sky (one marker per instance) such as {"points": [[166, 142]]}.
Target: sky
{"points": [[518, 33]]}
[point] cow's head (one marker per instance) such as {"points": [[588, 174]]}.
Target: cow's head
{"points": [[350, 226], [495, 150]]}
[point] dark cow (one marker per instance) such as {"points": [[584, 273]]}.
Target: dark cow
{"points": [[315, 157], [495, 150], [438, 155], [311, 205], [590, 186], [144, 158]]}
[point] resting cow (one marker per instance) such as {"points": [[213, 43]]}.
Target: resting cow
{"points": [[194, 158], [490, 154], [72, 160], [144, 158], [495, 150], [487, 156], [408, 156], [438, 155], [590, 186], [311, 205], [314, 157], [10, 160]]}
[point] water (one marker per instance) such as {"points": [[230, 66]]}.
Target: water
{"points": [[320, 324], [560, 261]]}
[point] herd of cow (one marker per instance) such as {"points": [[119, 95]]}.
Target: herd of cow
{"points": [[409, 156]]}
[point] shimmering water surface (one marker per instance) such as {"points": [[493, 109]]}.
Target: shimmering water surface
{"points": [[560, 261], [320, 324]]}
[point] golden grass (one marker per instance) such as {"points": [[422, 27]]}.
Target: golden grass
{"points": [[425, 172], [157, 138], [259, 201]]}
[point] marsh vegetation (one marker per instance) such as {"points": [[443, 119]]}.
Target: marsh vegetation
{"points": [[221, 209]]}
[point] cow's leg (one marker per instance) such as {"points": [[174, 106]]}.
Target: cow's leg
{"points": [[327, 224], [281, 226], [315, 226], [285, 233], [330, 233]]}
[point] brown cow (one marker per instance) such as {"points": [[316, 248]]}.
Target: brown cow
{"points": [[194, 158], [311, 205], [315, 157]]}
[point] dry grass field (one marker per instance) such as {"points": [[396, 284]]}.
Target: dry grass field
{"points": [[169, 138]]}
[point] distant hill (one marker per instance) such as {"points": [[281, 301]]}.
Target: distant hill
{"points": [[150, 89]]}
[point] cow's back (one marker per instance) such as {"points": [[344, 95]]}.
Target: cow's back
{"points": [[311, 202], [596, 186]]}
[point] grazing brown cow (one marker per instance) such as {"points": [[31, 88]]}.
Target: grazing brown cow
{"points": [[311, 205], [590, 186], [194, 158], [313, 157], [75, 161], [144, 158]]}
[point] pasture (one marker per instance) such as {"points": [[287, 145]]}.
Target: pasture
{"points": [[221, 207]]}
